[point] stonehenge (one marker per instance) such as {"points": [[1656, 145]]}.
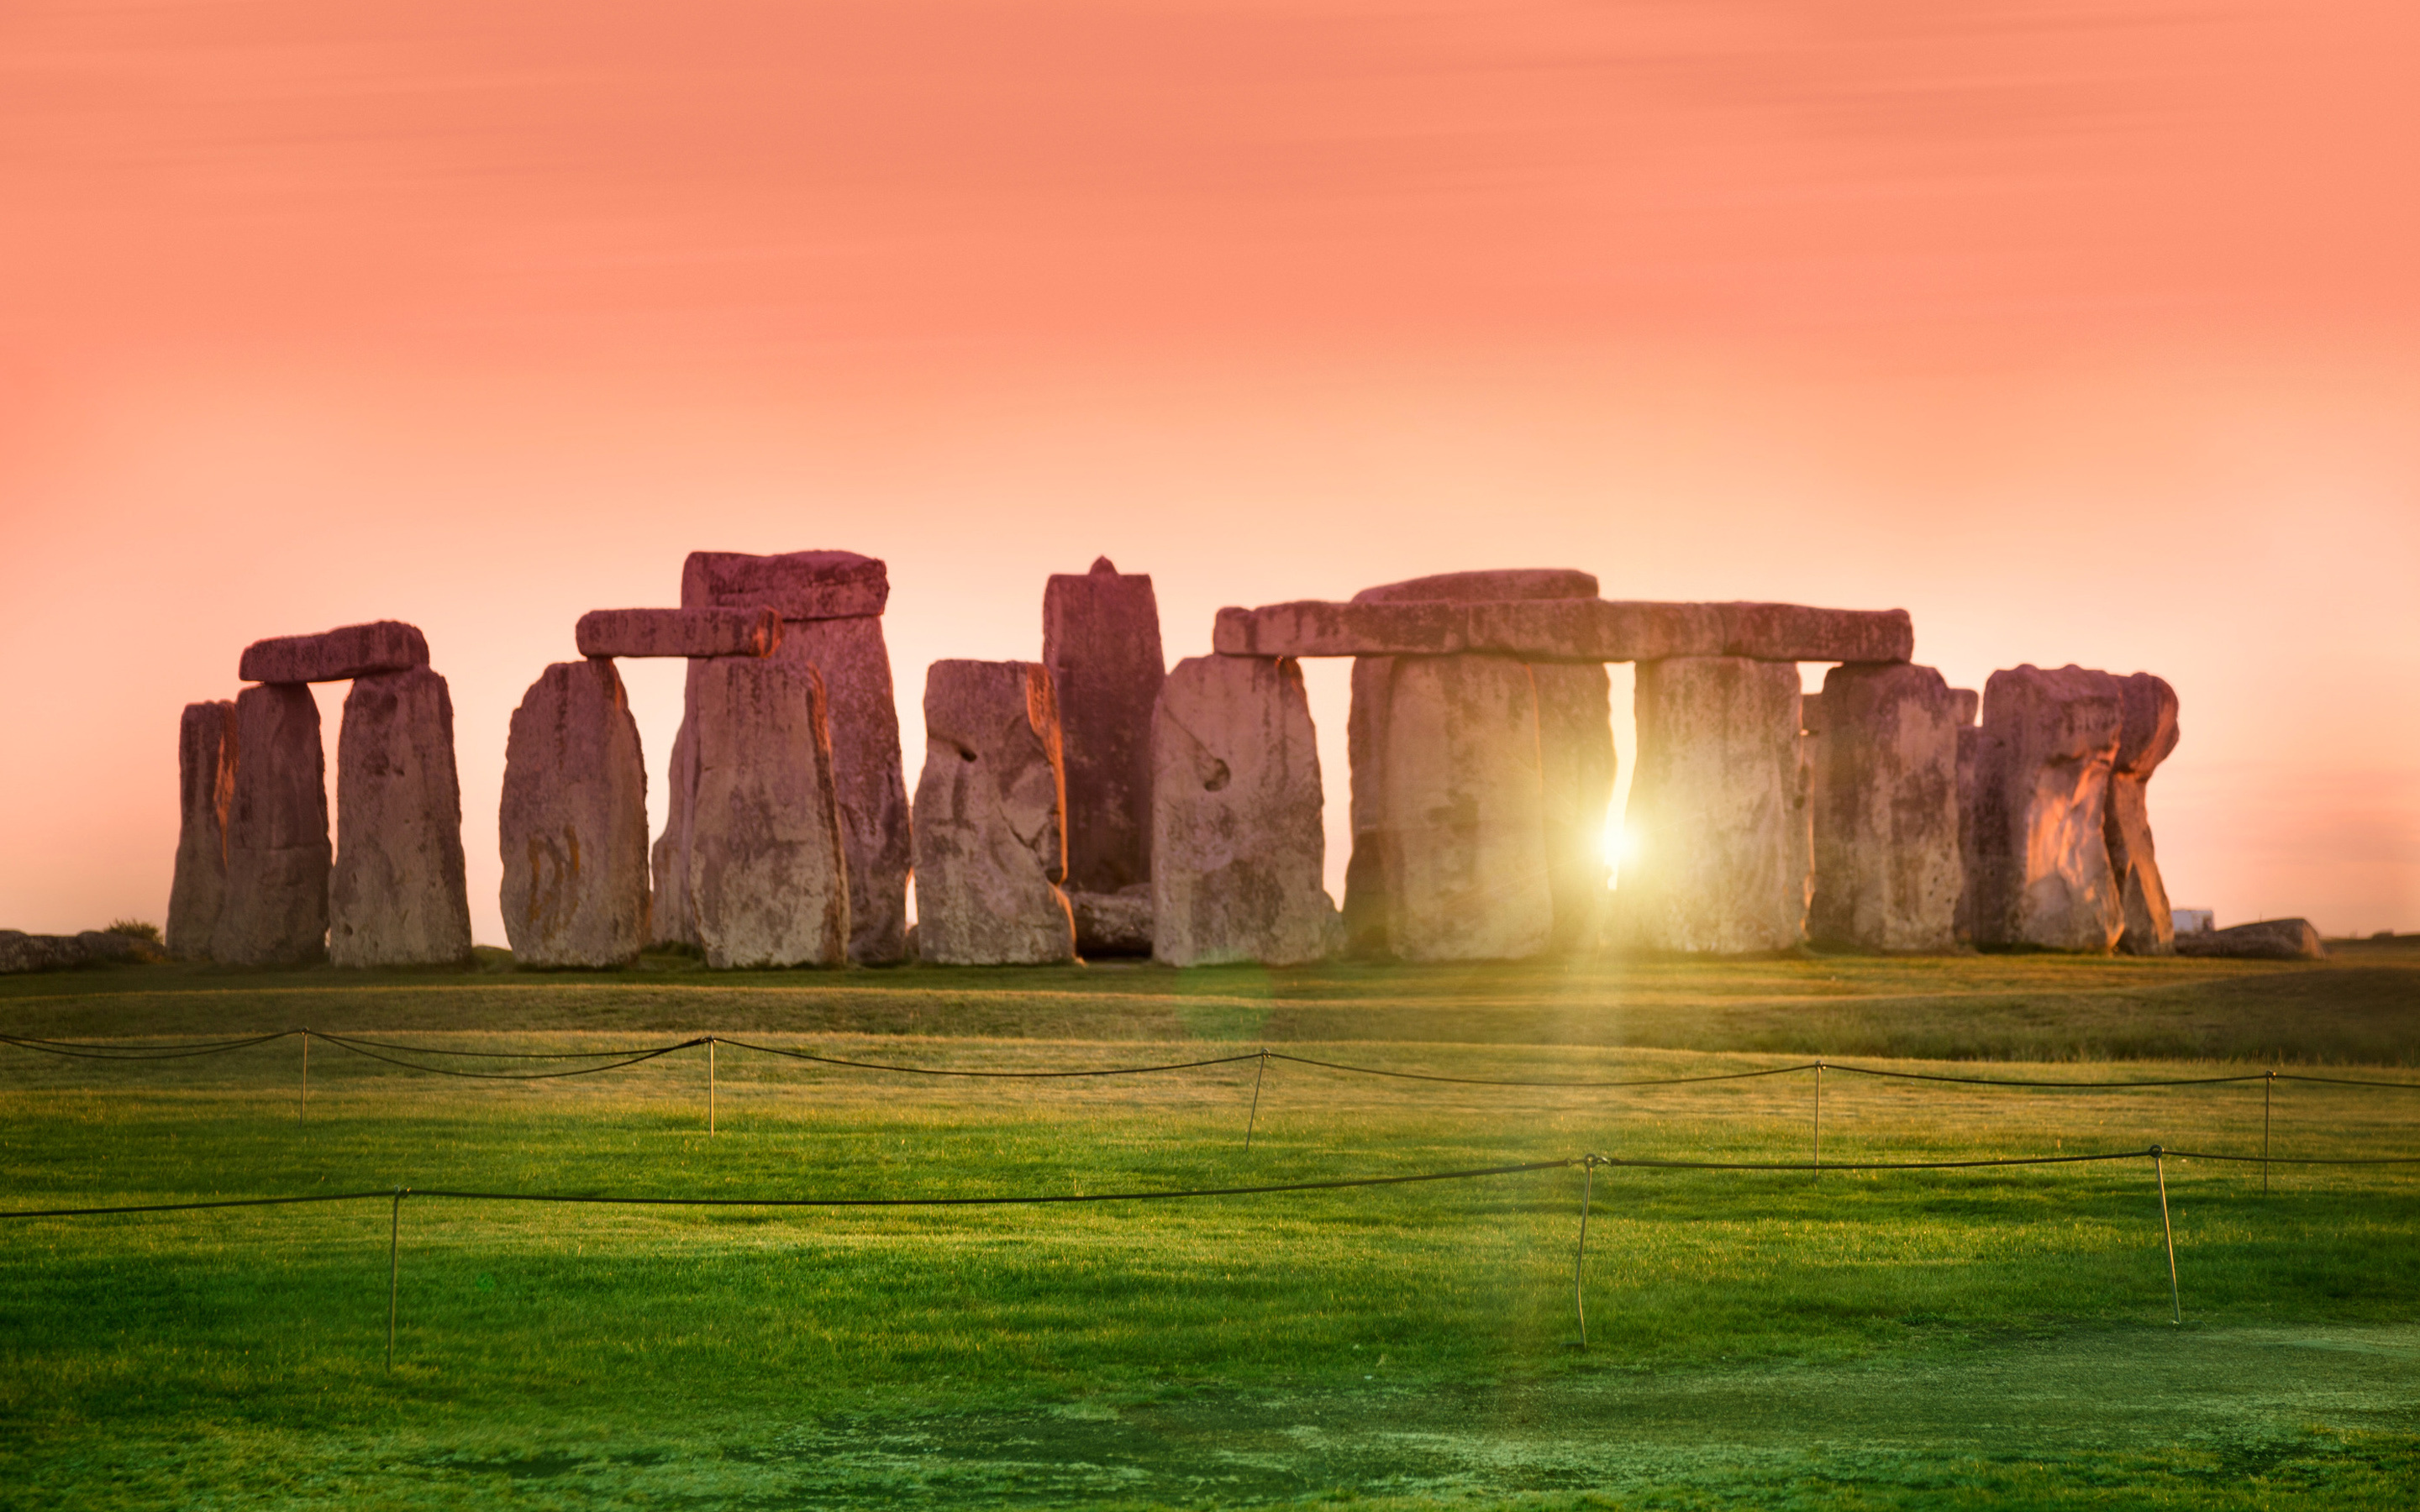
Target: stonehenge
{"points": [[1100, 639], [572, 826], [397, 895], [1095, 802], [206, 753], [1883, 739], [1237, 842], [990, 810], [831, 606]]}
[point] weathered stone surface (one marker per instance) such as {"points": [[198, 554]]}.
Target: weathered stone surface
{"points": [[351, 651], [1967, 704], [1970, 854], [275, 912], [572, 828], [1719, 811], [797, 585], [1100, 639], [21, 953], [1238, 848], [1569, 629], [765, 837], [678, 632], [2041, 791], [1884, 808], [398, 895], [2273, 939], [2148, 733], [1575, 760], [990, 826], [206, 757], [838, 593], [1112, 923]]}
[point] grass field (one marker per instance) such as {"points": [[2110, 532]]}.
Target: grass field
{"points": [[1994, 1337]]}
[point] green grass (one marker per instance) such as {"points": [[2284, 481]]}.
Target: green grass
{"points": [[1987, 1339]]}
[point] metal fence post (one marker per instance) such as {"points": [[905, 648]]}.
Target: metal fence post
{"points": [[1818, 1114], [2267, 1088], [710, 1083], [2168, 1231], [304, 1111], [394, 1241], [1253, 1120], [1579, 1257]]}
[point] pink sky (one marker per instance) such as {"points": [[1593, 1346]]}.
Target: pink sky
{"points": [[2084, 333]]}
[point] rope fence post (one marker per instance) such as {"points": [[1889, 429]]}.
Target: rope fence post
{"points": [[2167, 1232], [710, 1083], [1818, 1115], [394, 1244], [1252, 1122], [303, 1112], [2267, 1090], [1579, 1257]]}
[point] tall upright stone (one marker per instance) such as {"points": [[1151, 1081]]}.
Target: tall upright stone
{"points": [[1238, 847], [1884, 808], [572, 828], [206, 761], [1718, 811], [2148, 733], [765, 834], [990, 828], [1970, 742], [1569, 729], [398, 895], [2042, 765], [1100, 639], [275, 912], [831, 604]]}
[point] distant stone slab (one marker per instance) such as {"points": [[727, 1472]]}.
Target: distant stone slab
{"points": [[1100, 639], [1112, 923], [990, 819], [2041, 873], [398, 895], [1238, 848], [23, 952], [572, 828], [797, 585], [678, 632], [1884, 746], [1568, 629], [2147, 734], [2273, 939], [1718, 810], [276, 911], [206, 757], [352, 651], [770, 881]]}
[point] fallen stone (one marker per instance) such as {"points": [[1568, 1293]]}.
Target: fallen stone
{"points": [[678, 632], [2041, 875], [22, 953], [352, 651], [1884, 808], [797, 585], [275, 910], [990, 818], [206, 758], [1572, 629], [2271, 939], [2148, 733], [770, 879], [1717, 814], [838, 595], [1238, 847], [1112, 923], [572, 828], [398, 895], [1100, 639]]}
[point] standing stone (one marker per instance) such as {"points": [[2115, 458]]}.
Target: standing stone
{"points": [[1718, 810], [2041, 793], [275, 912], [1884, 808], [990, 831], [1238, 847], [1970, 741], [765, 834], [2147, 711], [206, 758], [573, 825], [397, 897], [1100, 639], [1573, 734], [831, 604]]}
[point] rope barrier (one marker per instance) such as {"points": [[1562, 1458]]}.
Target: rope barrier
{"points": [[1006, 1075], [358, 1049]]}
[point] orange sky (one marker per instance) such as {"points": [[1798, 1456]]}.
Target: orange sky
{"points": [[2083, 332]]}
